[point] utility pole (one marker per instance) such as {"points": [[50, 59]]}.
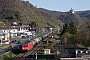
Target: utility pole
{"points": [[10, 47], [36, 56]]}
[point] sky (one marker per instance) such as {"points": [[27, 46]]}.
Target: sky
{"points": [[62, 5]]}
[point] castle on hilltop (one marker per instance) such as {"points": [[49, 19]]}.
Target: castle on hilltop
{"points": [[71, 11]]}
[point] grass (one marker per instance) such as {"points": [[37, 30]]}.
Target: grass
{"points": [[51, 44], [53, 40], [22, 38], [55, 36], [38, 33], [4, 45], [7, 56], [1, 57]]}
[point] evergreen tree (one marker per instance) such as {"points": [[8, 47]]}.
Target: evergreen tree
{"points": [[72, 28], [20, 24], [65, 28], [33, 24]]}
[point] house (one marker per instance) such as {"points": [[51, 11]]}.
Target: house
{"points": [[72, 51], [4, 37], [81, 52]]}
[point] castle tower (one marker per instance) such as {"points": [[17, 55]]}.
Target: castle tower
{"points": [[72, 11]]}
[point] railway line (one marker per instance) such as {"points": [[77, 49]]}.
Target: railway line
{"points": [[30, 55]]}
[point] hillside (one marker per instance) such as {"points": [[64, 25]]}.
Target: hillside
{"points": [[67, 17], [52, 13], [79, 20], [24, 12], [84, 13]]}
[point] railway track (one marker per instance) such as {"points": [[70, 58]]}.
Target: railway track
{"points": [[30, 55]]}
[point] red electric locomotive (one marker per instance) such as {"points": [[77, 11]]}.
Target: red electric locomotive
{"points": [[27, 46]]}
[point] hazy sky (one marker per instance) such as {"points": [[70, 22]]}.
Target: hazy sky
{"points": [[62, 5]]}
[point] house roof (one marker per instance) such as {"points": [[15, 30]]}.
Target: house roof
{"points": [[72, 47]]}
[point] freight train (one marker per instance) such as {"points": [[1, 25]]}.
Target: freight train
{"points": [[30, 44]]}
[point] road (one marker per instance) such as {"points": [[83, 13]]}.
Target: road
{"points": [[3, 50]]}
